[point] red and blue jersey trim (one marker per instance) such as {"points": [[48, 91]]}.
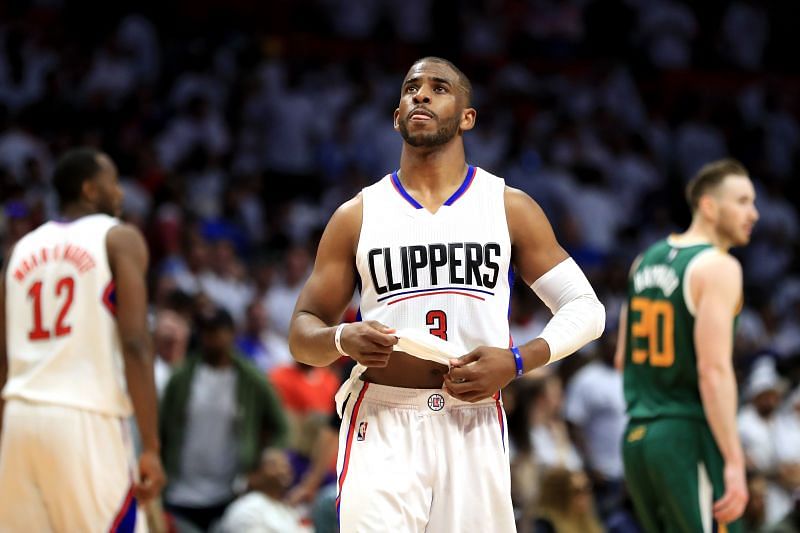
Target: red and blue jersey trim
{"points": [[110, 297], [465, 185], [349, 443], [125, 521]]}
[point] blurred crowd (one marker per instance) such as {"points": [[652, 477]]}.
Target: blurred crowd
{"points": [[239, 127]]}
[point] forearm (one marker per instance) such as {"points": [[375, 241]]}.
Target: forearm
{"points": [[719, 397], [3, 378], [578, 316], [323, 454], [311, 340], [142, 391]]}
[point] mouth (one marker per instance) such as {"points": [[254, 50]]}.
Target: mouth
{"points": [[420, 115]]}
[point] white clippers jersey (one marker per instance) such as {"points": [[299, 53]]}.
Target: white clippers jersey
{"points": [[447, 272], [62, 340]]}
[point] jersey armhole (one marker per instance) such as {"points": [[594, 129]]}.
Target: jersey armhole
{"points": [[687, 276]]}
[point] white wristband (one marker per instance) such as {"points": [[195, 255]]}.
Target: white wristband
{"points": [[337, 339]]}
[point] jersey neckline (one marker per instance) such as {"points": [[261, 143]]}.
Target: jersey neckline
{"points": [[468, 179]]}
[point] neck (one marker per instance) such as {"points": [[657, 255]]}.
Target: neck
{"points": [[700, 230], [74, 211], [433, 167], [217, 360], [274, 492]]}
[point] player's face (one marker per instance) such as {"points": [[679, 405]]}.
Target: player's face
{"points": [[109, 192], [737, 213], [432, 108]]}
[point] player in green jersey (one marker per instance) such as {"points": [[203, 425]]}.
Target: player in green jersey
{"points": [[684, 464]]}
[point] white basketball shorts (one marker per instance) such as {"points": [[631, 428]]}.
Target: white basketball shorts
{"points": [[419, 460], [65, 470]]}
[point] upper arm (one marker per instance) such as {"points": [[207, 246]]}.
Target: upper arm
{"points": [[3, 345], [534, 246], [330, 287], [622, 334], [717, 288], [128, 258]]}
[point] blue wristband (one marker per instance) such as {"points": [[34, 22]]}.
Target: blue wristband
{"points": [[517, 360]]}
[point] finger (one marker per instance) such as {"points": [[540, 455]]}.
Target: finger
{"points": [[471, 396], [383, 328], [375, 349], [465, 360], [460, 388], [144, 490], [728, 508], [459, 375], [375, 362], [381, 339]]}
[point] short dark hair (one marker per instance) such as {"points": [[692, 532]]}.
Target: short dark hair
{"points": [[73, 168], [216, 320], [709, 177], [463, 81]]}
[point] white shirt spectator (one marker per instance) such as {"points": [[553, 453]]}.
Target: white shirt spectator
{"points": [[256, 512], [594, 402]]}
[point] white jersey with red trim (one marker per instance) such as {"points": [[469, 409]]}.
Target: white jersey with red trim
{"points": [[447, 272], [62, 340]]}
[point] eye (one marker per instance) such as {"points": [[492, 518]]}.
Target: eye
{"points": [[441, 89], [410, 88]]}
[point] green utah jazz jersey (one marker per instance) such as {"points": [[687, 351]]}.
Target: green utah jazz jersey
{"points": [[660, 374]]}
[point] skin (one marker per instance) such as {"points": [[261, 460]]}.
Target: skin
{"points": [[725, 217], [432, 167], [128, 259]]}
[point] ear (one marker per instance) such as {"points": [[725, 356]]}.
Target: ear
{"points": [[89, 190], [396, 119], [468, 117], [707, 206]]}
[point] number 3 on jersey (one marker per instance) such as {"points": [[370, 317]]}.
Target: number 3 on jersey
{"points": [[438, 319], [64, 289], [655, 324]]}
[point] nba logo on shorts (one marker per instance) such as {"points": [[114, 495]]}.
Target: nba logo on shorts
{"points": [[436, 402], [362, 431]]}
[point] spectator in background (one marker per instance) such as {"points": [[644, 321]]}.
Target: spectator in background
{"points": [[552, 446], [217, 414], [565, 505], [282, 295], [525, 475], [262, 346], [263, 510], [758, 429], [595, 412], [170, 341]]}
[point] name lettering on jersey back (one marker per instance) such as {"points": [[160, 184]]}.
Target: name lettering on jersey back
{"points": [[660, 276], [70, 253], [455, 263]]}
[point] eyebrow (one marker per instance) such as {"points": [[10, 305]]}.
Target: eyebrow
{"points": [[433, 78]]}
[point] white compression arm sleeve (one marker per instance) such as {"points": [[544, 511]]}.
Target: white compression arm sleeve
{"points": [[578, 316]]}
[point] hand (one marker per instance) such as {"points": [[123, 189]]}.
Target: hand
{"points": [[151, 477], [480, 373], [732, 504], [301, 493], [369, 343]]}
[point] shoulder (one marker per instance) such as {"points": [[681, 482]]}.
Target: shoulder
{"points": [[516, 199], [521, 208], [125, 236], [248, 370], [348, 215], [718, 266]]}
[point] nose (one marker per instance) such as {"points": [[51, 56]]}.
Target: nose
{"points": [[423, 95]]}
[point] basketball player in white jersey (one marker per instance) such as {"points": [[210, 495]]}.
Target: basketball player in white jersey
{"points": [[75, 362], [423, 446]]}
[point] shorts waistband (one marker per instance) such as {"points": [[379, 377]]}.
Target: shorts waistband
{"points": [[423, 399]]}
